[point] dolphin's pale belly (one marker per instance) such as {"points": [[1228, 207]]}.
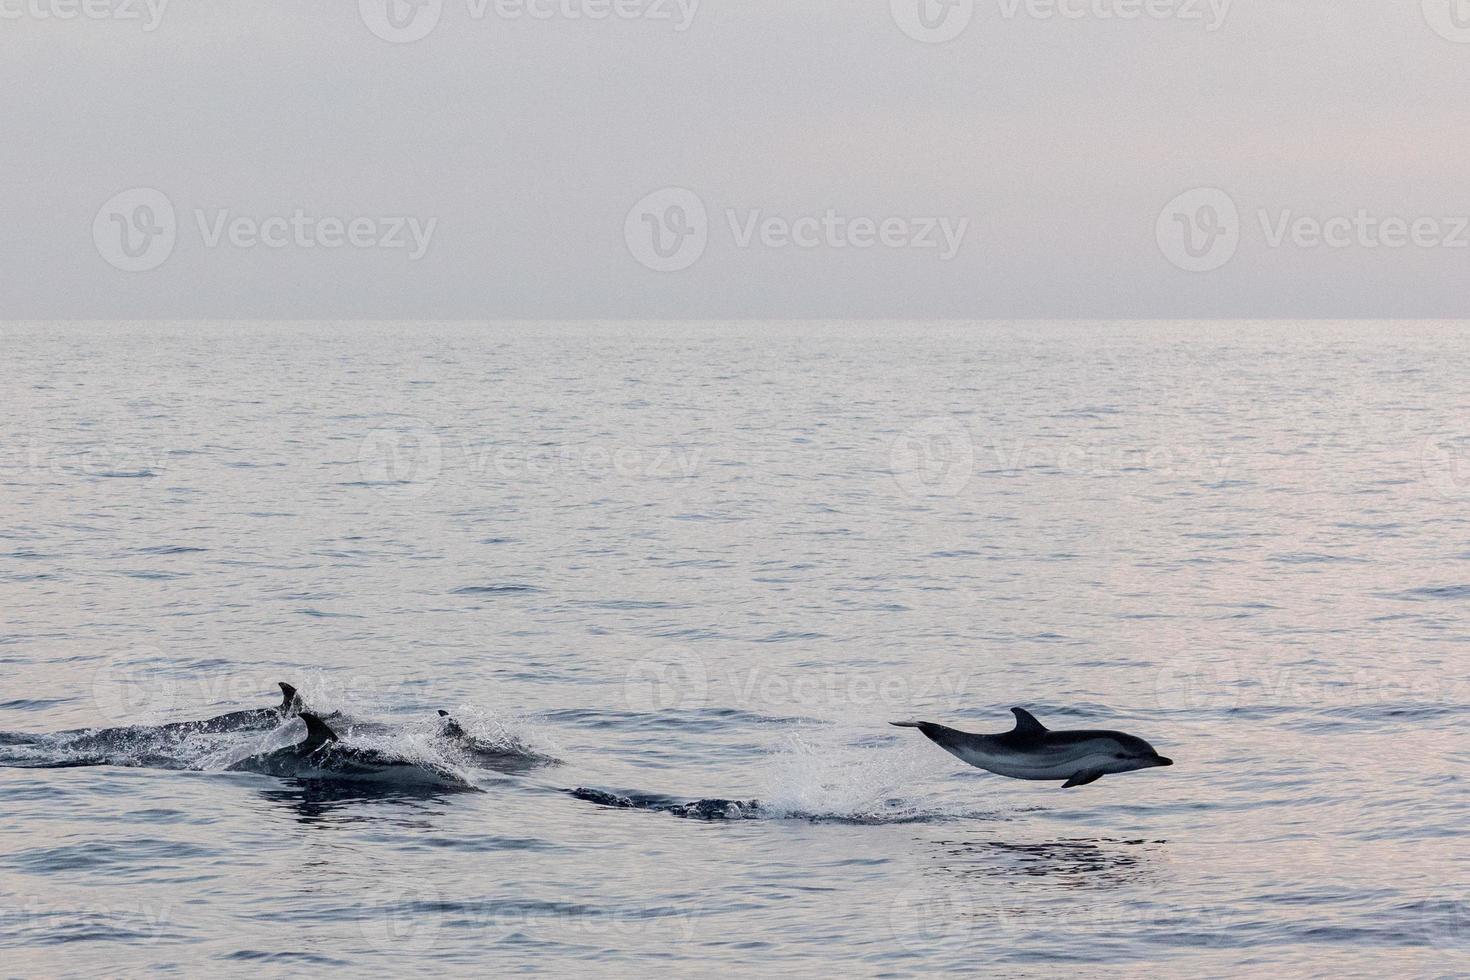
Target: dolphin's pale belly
{"points": [[1048, 763]]}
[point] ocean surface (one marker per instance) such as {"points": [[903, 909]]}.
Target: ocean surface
{"points": [[675, 580]]}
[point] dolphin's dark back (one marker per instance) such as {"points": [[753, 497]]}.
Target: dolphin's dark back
{"points": [[1029, 735], [1025, 740]]}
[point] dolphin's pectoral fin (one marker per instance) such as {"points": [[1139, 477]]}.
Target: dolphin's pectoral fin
{"points": [[318, 733], [1083, 778], [1026, 723]]}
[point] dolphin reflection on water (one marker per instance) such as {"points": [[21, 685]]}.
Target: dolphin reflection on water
{"points": [[1033, 751]]}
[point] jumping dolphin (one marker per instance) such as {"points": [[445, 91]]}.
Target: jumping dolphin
{"points": [[322, 755], [1033, 751]]}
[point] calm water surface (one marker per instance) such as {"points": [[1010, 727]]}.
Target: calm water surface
{"points": [[697, 563]]}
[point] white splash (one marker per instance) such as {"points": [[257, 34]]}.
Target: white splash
{"points": [[828, 775]]}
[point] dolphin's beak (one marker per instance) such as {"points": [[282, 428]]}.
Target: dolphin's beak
{"points": [[1160, 760]]}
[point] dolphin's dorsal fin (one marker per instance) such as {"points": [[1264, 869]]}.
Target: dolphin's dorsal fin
{"points": [[317, 733], [443, 713], [290, 700], [1026, 723]]}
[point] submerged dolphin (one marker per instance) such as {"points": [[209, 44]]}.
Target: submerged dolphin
{"points": [[510, 756], [697, 810], [451, 727], [1033, 751], [322, 755]]}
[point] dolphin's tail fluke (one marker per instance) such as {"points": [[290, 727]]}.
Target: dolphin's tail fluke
{"points": [[908, 724]]}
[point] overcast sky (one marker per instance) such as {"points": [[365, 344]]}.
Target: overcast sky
{"points": [[734, 158]]}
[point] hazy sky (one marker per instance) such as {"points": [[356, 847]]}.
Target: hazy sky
{"points": [[760, 158]]}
